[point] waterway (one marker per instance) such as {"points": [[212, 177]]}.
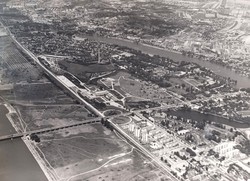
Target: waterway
{"points": [[16, 161], [176, 56], [5, 126], [194, 115]]}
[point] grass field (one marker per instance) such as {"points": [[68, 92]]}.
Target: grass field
{"points": [[138, 89], [92, 153]]}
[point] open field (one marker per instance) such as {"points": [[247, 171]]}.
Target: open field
{"points": [[137, 89], [145, 90], [37, 108], [92, 153], [45, 116]]}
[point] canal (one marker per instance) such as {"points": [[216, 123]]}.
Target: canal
{"points": [[218, 69], [197, 116], [16, 161]]}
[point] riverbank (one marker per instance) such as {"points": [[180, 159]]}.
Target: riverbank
{"points": [[48, 173], [242, 82], [8, 115], [6, 127], [17, 163]]}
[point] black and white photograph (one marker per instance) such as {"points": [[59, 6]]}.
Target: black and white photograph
{"points": [[124, 90]]}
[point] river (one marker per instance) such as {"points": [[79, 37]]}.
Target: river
{"points": [[16, 161], [218, 69], [5, 125]]}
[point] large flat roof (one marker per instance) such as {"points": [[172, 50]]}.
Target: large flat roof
{"points": [[66, 81]]}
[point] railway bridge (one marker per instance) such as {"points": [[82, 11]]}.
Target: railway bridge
{"points": [[44, 130]]}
